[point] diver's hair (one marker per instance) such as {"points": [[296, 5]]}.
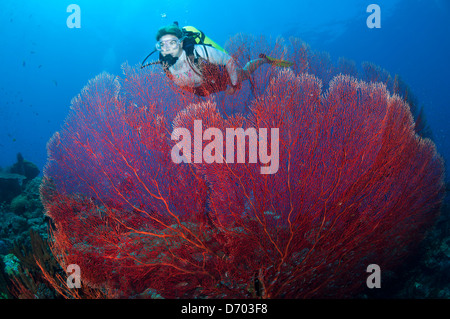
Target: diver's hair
{"points": [[169, 29]]}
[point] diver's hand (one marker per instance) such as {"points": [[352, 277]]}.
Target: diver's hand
{"points": [[231, 90]]}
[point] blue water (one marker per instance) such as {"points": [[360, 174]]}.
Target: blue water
{"points": [[44, 64]]}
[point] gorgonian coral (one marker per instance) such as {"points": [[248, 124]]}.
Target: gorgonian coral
{"points": [[355, 185]]}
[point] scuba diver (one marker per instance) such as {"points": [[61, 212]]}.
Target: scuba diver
{"points": [[197, 64]]}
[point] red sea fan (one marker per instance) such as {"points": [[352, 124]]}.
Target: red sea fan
{"points": [[341, 196], [348, 184], [112, 190]]}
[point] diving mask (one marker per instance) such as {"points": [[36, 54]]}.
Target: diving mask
{"points": [[167, 45]]}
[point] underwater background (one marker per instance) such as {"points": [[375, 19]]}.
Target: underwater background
{"points": [[45, 63]]}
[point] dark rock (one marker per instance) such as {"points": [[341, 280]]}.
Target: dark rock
{"points": [[10, 186]]}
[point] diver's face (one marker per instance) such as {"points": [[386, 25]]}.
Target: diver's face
{"points": [[170, 44]]}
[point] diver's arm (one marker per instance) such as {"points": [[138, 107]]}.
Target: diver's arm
{"points": [[232, 72], [221, 58]]}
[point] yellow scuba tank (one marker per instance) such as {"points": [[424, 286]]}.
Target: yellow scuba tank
{"points": [[201, 38]]}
